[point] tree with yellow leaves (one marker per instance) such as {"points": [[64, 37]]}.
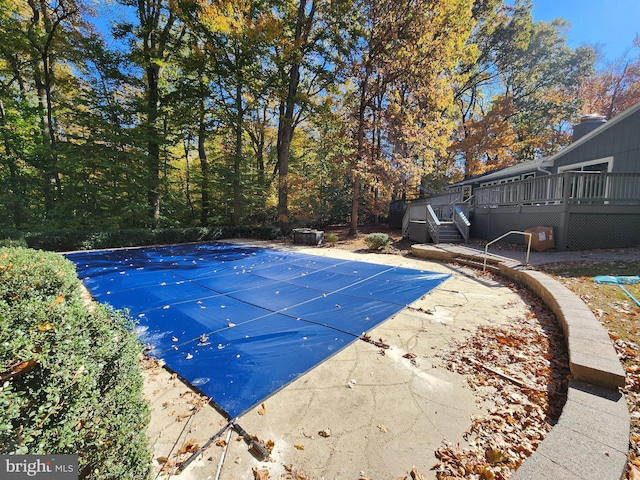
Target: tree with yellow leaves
{"points": [[402, 57]]}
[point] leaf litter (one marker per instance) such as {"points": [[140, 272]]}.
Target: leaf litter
{"points": [[521, 368], [621, 318]]}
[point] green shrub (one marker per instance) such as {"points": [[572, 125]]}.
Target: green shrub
{"points": [[71, 379], [10, 242], [377, 241], [12, 238], [76, 240], [29, 274], [331, 238]]}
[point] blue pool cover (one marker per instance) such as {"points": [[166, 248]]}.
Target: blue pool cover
{"points": [[239, 322]]}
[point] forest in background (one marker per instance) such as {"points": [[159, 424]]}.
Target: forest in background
{"points": [[170, 113]]}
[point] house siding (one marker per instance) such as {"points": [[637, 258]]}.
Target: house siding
{"points": [[585, 211], [622, 141]]}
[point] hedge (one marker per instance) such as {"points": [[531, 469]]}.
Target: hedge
{"points": [[76, 240], [70, 377]]}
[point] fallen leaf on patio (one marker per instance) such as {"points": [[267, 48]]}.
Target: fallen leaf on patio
{"points": [[162, 459], [189, 447], [409, 355], [221, 442], [262, 474], [326, 433], [269, 445], [382, 428], [299, 447], [263, 409], [415, 475], [167, 467], [486, 474], [526, 361], [493, 456]]}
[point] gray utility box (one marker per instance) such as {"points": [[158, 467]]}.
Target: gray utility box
{"points": [[307, 236]]}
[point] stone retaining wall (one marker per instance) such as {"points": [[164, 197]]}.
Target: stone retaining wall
{"points": [[591, 438]]}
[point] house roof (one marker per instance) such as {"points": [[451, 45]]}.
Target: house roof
{"points": [[512, 171]]}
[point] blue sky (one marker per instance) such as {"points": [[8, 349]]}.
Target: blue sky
{"points": [[611, 24]]}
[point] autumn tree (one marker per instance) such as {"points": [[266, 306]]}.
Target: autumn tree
{"points": [[541, 74], [238, 44], [104, 176], [41, 44], [488, 143], [524, 88], [306, 57], [402, 54], [615, 86], [155, 38]]}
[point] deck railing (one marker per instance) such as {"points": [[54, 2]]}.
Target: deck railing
{"points": [[567, 187], [433, 224], [461, 222]]}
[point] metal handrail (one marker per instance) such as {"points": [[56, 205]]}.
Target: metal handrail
{"points": [[468, 199], [461, 222], [486, 247], [456, 200]]}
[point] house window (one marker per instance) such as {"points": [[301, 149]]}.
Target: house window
{"points": [[598, 165], [500, 182], [592, 187]]}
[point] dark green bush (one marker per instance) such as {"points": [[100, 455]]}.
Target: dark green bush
{"points": [[12, 238], [377, 241], [70, 241], [70, 375], [27, 274]]}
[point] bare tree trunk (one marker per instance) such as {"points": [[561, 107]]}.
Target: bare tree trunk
{"points": [[237, 158], [155, 41], [16, 182], [187, 179], [153, 145], [44, 81], [285, 133], [204, 167], [355, 199], [286, 125]]}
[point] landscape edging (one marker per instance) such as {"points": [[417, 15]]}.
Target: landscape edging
{"points": [[591, 437]]}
